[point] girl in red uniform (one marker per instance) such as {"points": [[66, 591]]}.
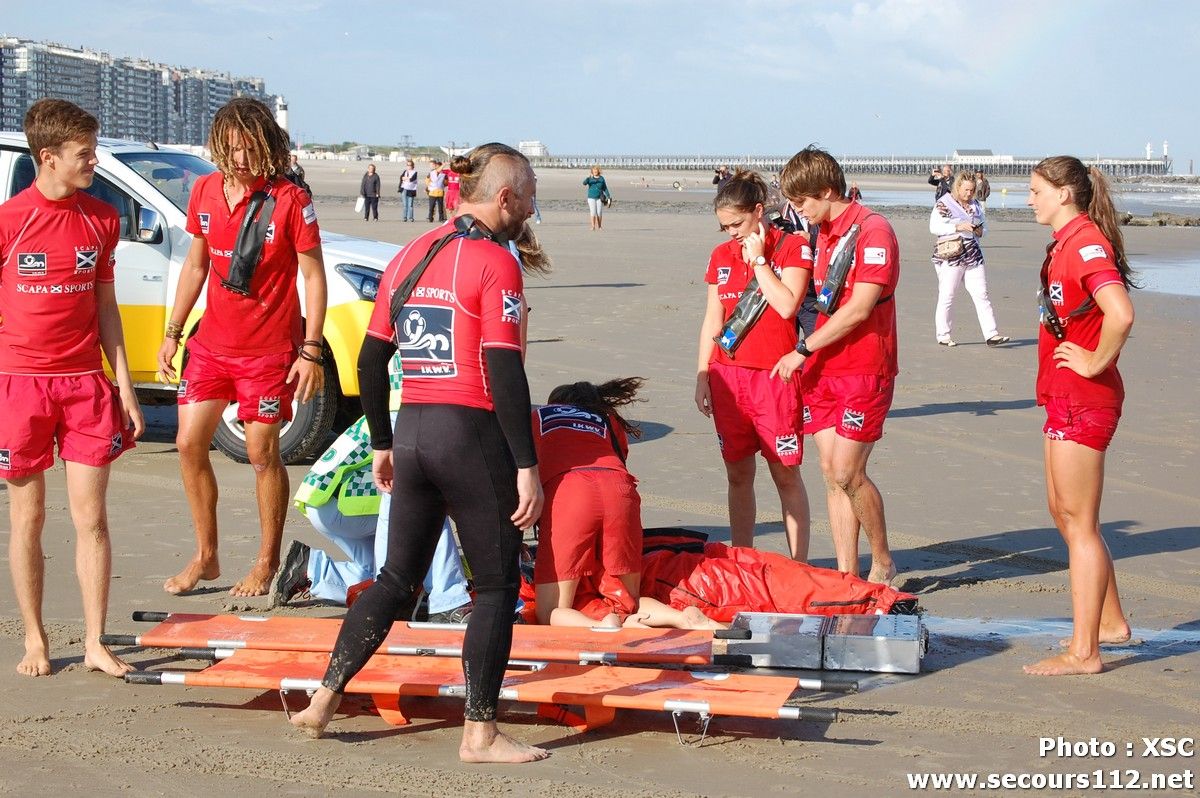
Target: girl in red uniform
{"points": [[1086, 316], [752, 412], [591, 524]]}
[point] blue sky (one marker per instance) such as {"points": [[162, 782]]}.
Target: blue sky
{"points": [[1022, 77]]}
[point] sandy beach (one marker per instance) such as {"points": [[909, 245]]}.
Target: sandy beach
{"points": [[960, 468]]}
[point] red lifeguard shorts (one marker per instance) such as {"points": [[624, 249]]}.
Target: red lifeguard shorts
{"points": [[258, 383], [854, 404], [607, 597], [81, 412], [591, 524], [1092, 427], [754, 413]]}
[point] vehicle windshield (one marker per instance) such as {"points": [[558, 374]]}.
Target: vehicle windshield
{"points": [[172, 172]]}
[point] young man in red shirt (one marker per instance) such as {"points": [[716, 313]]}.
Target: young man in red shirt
{"points": [[250, 347], [850, 359], [58, 310]]}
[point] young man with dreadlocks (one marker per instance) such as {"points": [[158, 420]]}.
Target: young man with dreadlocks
{"points": [[250, 347]]}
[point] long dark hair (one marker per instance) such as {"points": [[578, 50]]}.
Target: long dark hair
{"points": [[1089, 192], [602, 399]]}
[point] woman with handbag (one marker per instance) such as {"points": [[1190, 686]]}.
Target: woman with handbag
{"points": [[958, 221], [1086, 319], [752, 412], [597, 197]]}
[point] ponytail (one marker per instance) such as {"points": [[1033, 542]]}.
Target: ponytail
{"points": [[1090, 193], [603, 399]]}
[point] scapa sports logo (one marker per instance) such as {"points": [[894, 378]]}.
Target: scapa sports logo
{"points": [[511, 307], [116, 444], [556, 417], [270, 233], [853, 419], [425, 339], [182, 391], [807, 414], [787, 444], [85, 260], [203, 217], [722, 275], [31, 264], [5, 459], [268, 406]]}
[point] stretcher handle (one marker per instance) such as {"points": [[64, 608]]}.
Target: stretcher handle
{"points": [[732, 634], [118, 640], [830, 684], [815, 714], [145, 616], [195, 653], [143, 677]]}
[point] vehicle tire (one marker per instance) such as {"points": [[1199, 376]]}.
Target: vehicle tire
{"points": [[300, 438]]}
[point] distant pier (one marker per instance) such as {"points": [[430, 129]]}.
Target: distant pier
{"points": [[1002, 166]]}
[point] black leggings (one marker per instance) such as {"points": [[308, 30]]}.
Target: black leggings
{"points": [[447, 460]]}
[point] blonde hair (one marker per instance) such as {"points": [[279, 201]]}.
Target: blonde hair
{"points": [[481, 180]]}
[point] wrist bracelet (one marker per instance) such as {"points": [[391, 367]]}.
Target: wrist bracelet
{"points": [[317, 344], [174, 330], [320, 361]]}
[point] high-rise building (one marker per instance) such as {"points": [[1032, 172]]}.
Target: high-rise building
{"points": [[133, 98]]}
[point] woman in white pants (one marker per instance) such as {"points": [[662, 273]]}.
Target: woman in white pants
{"points": [[958, 221]]}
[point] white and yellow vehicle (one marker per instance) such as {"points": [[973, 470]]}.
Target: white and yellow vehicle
{"points": [[149, 186]]}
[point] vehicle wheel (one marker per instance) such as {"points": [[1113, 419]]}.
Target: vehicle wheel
{"points": [[299, 438]]}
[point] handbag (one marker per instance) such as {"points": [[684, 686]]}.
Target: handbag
{"points": [[949, 248], [359, 204]]}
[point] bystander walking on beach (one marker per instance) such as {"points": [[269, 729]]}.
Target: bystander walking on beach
{"points": [[959, 223], [597, 197]]}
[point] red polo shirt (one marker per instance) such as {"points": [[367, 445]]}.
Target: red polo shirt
{"points": [[870, 348], [772, 336], [1080, 263], [268, 321], [569, 437], [52, 254], [470, 298]]}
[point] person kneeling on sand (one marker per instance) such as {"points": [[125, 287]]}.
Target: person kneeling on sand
{"points": [[591, 523], [52, 383]]}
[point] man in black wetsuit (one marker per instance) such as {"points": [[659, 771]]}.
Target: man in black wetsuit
{"points": [[463, 442]]}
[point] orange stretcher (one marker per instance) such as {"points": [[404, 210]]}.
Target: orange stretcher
{"points": [[551, 643], [599, 689]]}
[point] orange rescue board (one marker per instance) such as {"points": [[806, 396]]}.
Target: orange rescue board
{"points": [[600, 689], [554, 643]]}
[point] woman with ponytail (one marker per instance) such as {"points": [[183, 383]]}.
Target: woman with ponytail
{"points": [[1086, 318]]}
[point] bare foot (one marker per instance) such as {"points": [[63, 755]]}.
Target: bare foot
{"points": [[1113, 635], [1065, 664], [97, 657], [36, 661], [316, 716], [695, 619], [483, 742], [882, 575], [257, 582], [192, 575]]}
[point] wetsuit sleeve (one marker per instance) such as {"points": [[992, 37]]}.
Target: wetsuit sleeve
{"points": [[373, 386], [510, 394]]}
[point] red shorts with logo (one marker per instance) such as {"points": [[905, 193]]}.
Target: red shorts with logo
{"points": [[853, 404], [1092, 427], [591, 524], [82, 413], [257, 383], [754, 413], [608, 597]]}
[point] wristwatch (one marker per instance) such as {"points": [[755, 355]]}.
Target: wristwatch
{"points": [[802, 348], [760, 261]]}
